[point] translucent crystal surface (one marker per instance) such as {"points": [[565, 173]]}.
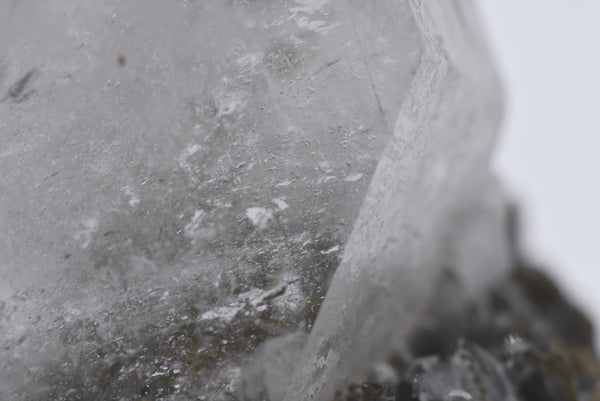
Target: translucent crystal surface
{"points": [[431, 205], [181, 179]]}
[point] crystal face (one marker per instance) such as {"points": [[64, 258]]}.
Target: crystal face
{"points": [[181, 180]]}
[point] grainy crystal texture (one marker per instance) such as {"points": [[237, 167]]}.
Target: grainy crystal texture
{"points": [[181, 179]]}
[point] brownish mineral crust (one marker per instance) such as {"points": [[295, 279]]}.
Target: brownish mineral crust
{"points": [[523, 341]]}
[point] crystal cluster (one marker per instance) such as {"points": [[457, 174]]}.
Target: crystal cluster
{"points": [[182, 179]]}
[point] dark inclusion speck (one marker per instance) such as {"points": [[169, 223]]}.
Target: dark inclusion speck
{"points": [[17, 92]]}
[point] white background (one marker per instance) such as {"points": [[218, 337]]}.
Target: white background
{"points": [[548, 53]]}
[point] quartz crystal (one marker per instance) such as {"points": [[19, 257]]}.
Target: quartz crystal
{"points": [[431, 207], [180, 180]]}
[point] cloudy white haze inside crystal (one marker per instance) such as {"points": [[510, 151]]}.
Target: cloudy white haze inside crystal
{"points": [[181, 180]]}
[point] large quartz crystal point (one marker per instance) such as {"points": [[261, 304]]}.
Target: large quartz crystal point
{"points": [[431, 208], [180, 179], [181, 161]]}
